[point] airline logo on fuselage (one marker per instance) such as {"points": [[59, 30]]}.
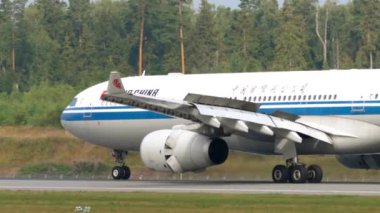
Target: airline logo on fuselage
{"points": [[117, 83], [148, 92]]}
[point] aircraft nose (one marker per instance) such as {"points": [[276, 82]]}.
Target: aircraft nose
{"points": [[66, 117], [62, 119], [66, 121]]}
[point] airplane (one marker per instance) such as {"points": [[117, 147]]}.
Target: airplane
{"points": [[186, 123]]}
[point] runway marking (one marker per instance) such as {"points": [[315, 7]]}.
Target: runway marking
{"points": [[192, 190]]}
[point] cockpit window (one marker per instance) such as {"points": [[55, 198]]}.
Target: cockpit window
{"points": [[73, 102]]}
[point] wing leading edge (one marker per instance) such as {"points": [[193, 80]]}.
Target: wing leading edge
{"points": [[217, 112]]}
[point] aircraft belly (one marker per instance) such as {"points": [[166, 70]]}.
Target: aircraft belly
{"points": [[119, 134], [308, 147], [372, 119], [244, 144]]}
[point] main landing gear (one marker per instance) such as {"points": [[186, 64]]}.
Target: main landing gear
{"points": [[295, 172], [122, 171]]}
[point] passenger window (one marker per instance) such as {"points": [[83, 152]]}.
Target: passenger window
{"points": [[269, 98], [314, 97], [376, 96], [260, 98], [309, 97], [330, 97], [274, 98], [250, 98], [254, 99], [336, 96], [265, 98]]}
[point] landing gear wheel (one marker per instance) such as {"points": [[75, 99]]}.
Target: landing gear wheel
{"points": [[122, 171], [127, 172], [118, 172], [298, 174], [314, 174], [280, 174]]}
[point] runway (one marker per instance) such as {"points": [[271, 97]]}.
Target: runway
{"points": [[238, 187]]}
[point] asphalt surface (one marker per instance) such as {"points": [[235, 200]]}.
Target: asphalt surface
{"points": [[238, 187]]}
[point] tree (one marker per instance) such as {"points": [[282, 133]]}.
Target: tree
{"points": [[112, 38], [340, 28], [79, 42], [79, 16], [165, 42], [266, 22], [248, 39], [44, 56], [368, 15], [6, 41], [21, 53], [14, 48], [250, 36], [160, 39], [53, 18], [81, 34], [291, 48], [325, 28], [203, 42], [223, 20]]}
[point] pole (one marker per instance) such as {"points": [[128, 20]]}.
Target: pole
{"points": [[141, 40], [183, 69], [13, 51]]}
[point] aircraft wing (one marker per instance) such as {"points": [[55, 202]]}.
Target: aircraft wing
{"points": [[217, 112]]}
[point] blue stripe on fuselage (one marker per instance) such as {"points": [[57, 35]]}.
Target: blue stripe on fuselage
{"points": [[88, 116]]}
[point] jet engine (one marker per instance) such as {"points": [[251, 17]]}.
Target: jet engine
{"points": [[360, 161], [181, 151]]}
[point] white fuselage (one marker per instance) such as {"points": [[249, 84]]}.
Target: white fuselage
{"points": [[344, 102]]}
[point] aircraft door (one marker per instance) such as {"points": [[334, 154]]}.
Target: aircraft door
{"points": [[358, 106], [87, 115]]}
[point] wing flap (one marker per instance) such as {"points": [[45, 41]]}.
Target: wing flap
{"points": [[223, 112], [262, 119]]}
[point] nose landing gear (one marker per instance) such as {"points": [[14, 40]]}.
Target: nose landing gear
{"points": [[122, 171]]}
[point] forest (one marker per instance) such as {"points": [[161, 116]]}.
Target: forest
{"points": [[51, 49]]}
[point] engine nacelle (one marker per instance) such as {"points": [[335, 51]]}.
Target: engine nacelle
{"points": [[360, 161], [181, 151]]}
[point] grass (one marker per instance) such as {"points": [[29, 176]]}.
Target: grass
{"points": [[31, 146], [26, 201], [34, 148]]}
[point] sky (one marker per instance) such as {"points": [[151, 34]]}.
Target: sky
{"points": [[235, 3]]}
